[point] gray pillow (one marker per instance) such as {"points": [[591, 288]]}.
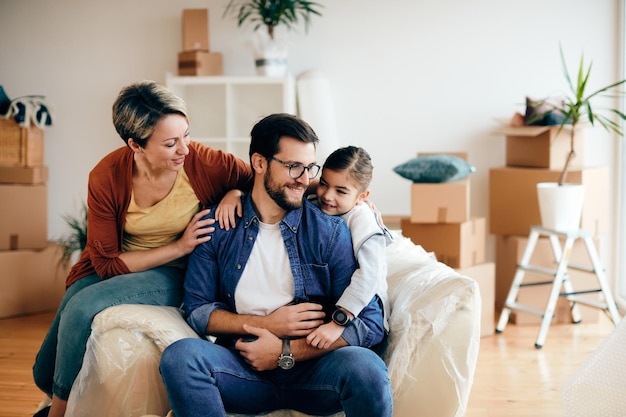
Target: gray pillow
{"points": [[435, 168]]}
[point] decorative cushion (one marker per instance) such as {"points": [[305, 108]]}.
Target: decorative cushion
{"points": [[435, 168]]}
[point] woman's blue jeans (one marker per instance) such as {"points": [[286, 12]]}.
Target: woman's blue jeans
{"points": [[205, 379], [61, 354]]}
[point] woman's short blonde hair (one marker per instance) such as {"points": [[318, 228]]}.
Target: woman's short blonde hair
{"points": [[139, 107]]}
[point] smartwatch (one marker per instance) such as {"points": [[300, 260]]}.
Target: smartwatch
{"points": [[286, 360], [341, 317]]}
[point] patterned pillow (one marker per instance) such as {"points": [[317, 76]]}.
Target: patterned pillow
{"points": [[435, 168]]}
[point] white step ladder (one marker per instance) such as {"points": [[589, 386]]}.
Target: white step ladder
{"points": [[560, 280]]}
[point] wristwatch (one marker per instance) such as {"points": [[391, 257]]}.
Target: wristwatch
{"points": [[340, 317], [286, 360]]}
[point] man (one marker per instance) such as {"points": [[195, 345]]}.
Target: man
{"points": [[264, 285]]}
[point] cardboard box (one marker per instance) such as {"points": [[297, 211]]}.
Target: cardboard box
{"points": [[513, 204], [458, 245], [195, 24], [24, 219], [542, 146], [24, 175], [509, 251], [445, 202], [485, 275], [32, 281], [20, 146], [200, 63]]}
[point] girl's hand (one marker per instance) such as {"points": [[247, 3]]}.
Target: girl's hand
{"points": [[197, 231], [229, 207], [325, 335]]}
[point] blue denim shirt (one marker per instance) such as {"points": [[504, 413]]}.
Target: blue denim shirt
{"points": [[322, 261]]}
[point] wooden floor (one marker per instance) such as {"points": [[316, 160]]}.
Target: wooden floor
{"points": [[512, 377]]}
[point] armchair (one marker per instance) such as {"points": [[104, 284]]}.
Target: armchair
{"points": [[432, 351]]}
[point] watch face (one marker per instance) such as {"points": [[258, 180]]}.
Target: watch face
{"points": [[286, 362], [340, 317]]}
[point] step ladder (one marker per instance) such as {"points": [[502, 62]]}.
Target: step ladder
{"points": [[560, 280]]}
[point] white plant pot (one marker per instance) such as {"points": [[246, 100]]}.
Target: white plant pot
{"points": [[271, 66], [561, 206], [270, 55]]}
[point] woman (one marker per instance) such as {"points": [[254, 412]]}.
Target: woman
{"points": [[144, 210]]}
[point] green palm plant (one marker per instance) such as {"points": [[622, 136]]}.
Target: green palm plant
{"points": [[578, 107], [271, 13], [76, 239]]}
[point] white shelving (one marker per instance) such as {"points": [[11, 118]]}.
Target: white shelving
{"points": [[223, 109]]}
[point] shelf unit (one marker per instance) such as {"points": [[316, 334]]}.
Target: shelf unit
{"points": [[223, 109]]}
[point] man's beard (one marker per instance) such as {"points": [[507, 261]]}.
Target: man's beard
{"points": [[277, 193]]}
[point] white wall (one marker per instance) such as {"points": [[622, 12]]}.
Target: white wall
{"points": [[406, 75]]}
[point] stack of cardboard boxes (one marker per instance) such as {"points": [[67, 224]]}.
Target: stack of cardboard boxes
{"points": [[31, 278], [196, 57], [537, 154], [440, 222]]}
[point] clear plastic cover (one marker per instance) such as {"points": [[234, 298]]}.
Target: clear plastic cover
{"points": [[432, 351], [597, 387]]}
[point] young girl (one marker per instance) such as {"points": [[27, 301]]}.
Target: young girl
{"points": [[343, 191]]}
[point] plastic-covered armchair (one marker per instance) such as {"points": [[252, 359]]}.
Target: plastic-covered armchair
{"points": [[432, 351]]}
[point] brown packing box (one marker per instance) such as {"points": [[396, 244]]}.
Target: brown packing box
{"points": [[444, 202], [195, 24], [200, 63], [24, 219], [20, 146], [24, 175], [485, 275], [509, 250], [457, 245], [32, 280], [542, 146], [513, 205]]}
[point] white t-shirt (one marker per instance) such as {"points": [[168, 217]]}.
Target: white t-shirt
{"points": [[267, 282]]}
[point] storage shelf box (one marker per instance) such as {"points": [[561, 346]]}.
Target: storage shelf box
{"points": [[458, 245], [20, 146], [200, 63], [195, 25], [444, 202], [32, 281], [542, 146], [513, 204], [24, 175], [24, 219]]}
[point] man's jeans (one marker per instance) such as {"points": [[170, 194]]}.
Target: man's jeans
{"points": [[205, 379], [61, 354]]}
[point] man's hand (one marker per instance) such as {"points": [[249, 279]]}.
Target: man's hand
{"points": [[295, 320], [261, 354]]}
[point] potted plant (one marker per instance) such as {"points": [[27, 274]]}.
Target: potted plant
{"points": [[76, 240], [578, 107], [271, 55]]}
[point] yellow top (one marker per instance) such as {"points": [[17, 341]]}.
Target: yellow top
{"points": [[162, 223]]}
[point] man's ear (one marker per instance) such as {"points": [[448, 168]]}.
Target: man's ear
{"points": [[259, 163]]}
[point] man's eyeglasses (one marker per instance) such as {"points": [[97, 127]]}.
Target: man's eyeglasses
{"points": [[296, 170]]}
